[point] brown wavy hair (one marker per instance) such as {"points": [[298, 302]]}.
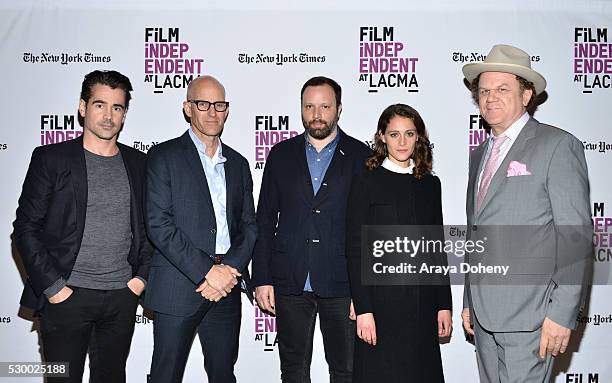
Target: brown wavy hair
{"points": [[421, 155]]}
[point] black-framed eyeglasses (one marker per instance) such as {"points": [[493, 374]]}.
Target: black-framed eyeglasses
{"points": [[203, 105]]}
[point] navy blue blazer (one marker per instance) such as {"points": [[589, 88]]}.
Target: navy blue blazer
{"points": [[298, 231], [50, 219], [181, 223]]}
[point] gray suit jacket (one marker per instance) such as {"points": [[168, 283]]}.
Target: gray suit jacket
{"points": [[539, 225]]}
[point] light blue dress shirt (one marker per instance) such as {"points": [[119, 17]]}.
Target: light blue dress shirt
{"points": [[215, 178]]}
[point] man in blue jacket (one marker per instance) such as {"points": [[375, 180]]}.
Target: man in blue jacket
{"points": [[299, 264]]}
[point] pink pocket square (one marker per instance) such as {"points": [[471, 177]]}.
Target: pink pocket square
{"points": [[517, 169]]}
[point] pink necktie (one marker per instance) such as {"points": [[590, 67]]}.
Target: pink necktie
{"points": [[489, 170]]}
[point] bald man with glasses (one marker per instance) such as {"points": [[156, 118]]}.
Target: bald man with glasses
{"points": [[201, 219]]}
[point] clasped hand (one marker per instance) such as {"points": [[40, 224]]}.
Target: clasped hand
{"points": [[218, 282]]}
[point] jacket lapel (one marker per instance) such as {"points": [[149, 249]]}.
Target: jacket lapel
{"points": [[130, 175], [336, 167], [192, 158], [516, 150], [475, 168], [300, 151], [78, 169], [231, 183]]}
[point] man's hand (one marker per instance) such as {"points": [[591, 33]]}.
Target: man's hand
{"points": [[467, 324], [136, 285], [265, 298], [366, 328], [222, 278], [445, 323], [554, 338], [61, 296], [208, 292], [352, 315]]}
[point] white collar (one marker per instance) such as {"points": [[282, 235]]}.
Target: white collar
{"points": [[395, 168]]}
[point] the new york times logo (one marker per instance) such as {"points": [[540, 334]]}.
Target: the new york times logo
{"points": [[265, 329], [279, 58], [166, 62], [144, 147], [382, 61], [5, 320], [600, 147], [471, 57], [55, 128], [602, 234], [590, 377], [592, 58], [595, 319], [64, 58], [269, 131], [479, 131], [142, 319], [3, 146]]}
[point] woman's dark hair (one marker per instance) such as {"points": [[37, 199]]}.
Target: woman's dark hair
{"points": [[421, 155]]}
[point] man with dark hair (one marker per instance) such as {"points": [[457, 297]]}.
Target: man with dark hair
{"points": [[80, 232], [299, 263], [528, 199]]}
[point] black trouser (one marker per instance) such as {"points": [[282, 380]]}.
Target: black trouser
{"points": [[106, 316], [295, 321], [218, 328]]}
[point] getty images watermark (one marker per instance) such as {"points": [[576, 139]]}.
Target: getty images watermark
{"points": [[434, 255]]}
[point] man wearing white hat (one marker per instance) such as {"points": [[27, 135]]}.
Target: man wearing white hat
{"points": [[528, 198]]}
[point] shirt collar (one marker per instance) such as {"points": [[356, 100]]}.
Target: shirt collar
{"points": [[395, 168], [331, 146], [217, 158], [515, 129]]}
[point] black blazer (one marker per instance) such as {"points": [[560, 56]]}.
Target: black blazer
{"points": [[372, 202], [51, 215], [181, 223], [290, 216]]}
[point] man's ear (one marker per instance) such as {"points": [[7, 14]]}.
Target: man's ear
{"points": [[82, 108], [187, 108], [527, 93]]}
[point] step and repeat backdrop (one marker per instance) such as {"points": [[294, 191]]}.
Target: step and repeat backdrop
{"points": [[381, 53]]}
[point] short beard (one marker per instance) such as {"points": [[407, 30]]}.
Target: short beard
{"points": [[320, 134]]}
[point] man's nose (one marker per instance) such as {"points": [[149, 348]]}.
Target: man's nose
{"points": [[108, 112], [492, 95]]}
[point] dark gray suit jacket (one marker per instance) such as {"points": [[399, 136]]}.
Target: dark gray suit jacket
{"points": [[181, 223]]}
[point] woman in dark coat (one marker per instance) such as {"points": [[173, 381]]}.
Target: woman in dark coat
{"points": [[397, 326]]}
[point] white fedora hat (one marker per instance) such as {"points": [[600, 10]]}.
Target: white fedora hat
{"points": [[507, 59]]}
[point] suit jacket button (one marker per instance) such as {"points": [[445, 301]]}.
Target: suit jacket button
{"points": [[213, 231], [474, 227]]}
